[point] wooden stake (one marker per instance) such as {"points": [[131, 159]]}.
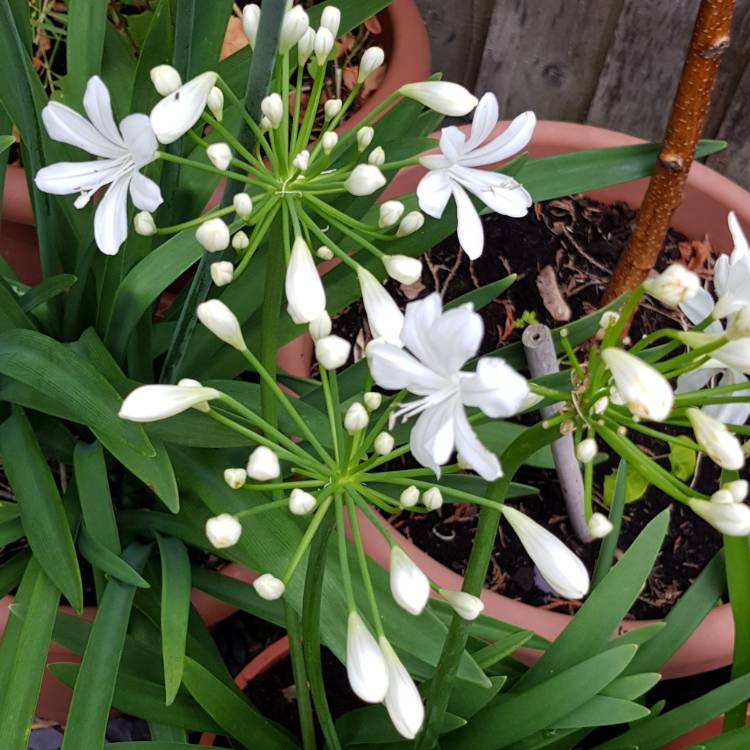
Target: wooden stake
{"points": [[709, 42]]}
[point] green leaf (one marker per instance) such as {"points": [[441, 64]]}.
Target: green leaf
{"points": [[175, 609], [616, 504], [602, 711], [86, 24], [737, 739], [495, 652], [23, 653], [371, 725], [631, 686], [12, 315], [11, 571], [155, 50], [466, 700], [737, 554], [108, 562], [95, 686], [46, 290], [11, 531], [682, 461], [635, 486], [161, 746], [42, 513], [482, 296]]}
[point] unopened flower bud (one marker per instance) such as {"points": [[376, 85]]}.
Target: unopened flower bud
{"points": [[673, 287], [331, 108], [447, 98], [220, 155], [223, 531], [305, 47], [166, 79], [323, 45], [403, 269], [265, 124], [372, 59], [263, 464], [324, 253], [364, 137], [331, 19], [722, 497], [721, 446], [320, 327], [732, 519], [215, 103], [409, 497], [143, 223], [377, 156], [365, 179], [390, 214], [412, 222], [738, 488], [332, 351], [296, 22], [213, 235], [222, 273], [301, 502], [586, 450], [410, 587], [243, 205], [235, 478], [273, 108], [240, 241], [432, 499], [303, 286], [599, 525], [372, 400], [384, 443], [329, 142], [250, 22], [269, 587], [365, 666], [600, 405], [356, 418], [302, 160], [608, 320], [222, 322], [466, 606]]}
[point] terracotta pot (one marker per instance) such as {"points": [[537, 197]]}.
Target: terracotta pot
{"points": [[701, 734], [708, 198], [269, 657]]}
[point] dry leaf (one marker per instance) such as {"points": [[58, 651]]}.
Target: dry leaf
{"points": [[551, 295]]}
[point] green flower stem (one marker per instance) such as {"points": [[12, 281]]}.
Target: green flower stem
{"points": [[258, 509], [333, 124], [231, 140], [312, 107], [165, 156], [518, 451], [376, 461], [297, 102], [550, 393], [376, 520], [307, 538], [326, 240], [687, 399], [286, 150], [351, 602], [403, 473], [389, 166], [652, 338], [197, 221], [333, 408], [382, 501], [379, 425], [690, 358], [259, 233], [299, 672], [681, 440], [273, 486], [571, 355], [352, 134], [328, 211]]}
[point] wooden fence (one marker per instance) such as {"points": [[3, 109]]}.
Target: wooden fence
{"points": [[612, 63]]}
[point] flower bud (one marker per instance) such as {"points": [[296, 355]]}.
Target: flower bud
{"points": [[385, 319], [150, 403], [722, 497], [739, 324], [409, 497], [356, 418], [296, 22], [402, 701], [331, 19], [384, 443], [302, 160], [320, 327], [673, 287], [240, 241], [409, 585], [331, 108], [444, 97], [220, 155], [269, 587], [600, 405], [732, 519], [329, 141], [403, 269], [608, 320], [372, 400], [265, 124], [263, 464], [586, 450], [412, 222], [174, 115], [432, 499], [250, 22], [324, 253], [738, 489], [243, 205], [332, 352], [721, 446], [223, 531], [304, 288], [166, 79], [215, 103], [323, 45], [599, 526], [213, 235], [390, 213], [365, 179], [466, 606], [301, 502], [365, 665], [222, 322], [364, 138], [377, 157], [235, 478], [273, 108], [372, 59], [222, 273], [305, 47], [143, 223]]}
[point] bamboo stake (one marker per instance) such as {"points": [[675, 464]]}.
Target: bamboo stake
{"points": [[709, 41]]}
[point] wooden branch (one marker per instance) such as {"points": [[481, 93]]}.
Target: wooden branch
{"points": [[709, 41]]}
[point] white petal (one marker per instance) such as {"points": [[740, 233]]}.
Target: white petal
{"points": [[469, 229], [496, 388], [499, 193], [365, 665], [730, 413], [145, 193], [512, 140], [67, 126], [482, 460], [432, 438], [721, 275], [421, 315], [695, 379], [304, 288], [456, 337], [111, 217], [486, 116], [98, 107], [150, 403], [76, 176], [738, 236], [174, 115], [698, 307], [410, 587], [434, 161], [139, 138], [402, 701], [385, 319], [394, 369], [452, 143], [434, 192]]}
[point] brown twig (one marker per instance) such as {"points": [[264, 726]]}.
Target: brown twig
{"points": [[709, 42]]}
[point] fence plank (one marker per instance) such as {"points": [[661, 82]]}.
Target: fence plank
{"points": [[547, 56]]}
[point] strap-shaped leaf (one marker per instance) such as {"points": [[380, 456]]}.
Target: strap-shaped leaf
{"points": [[87, 22], [108, 562]]}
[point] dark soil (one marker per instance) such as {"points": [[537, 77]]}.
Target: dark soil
{"points": [[578, 241]]}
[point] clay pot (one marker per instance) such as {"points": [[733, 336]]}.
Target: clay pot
{"points": [[701, 734], [708, 198]]}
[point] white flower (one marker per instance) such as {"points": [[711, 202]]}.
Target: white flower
{"points": [[364, 137], [174, 115], [402, 701], [263, 464], [372, 400], [732, 274], [377, 157], [295, 24], [390, 213], [365, 665], [432, 499], [273, 108], [732, 519], [440, 344], [329, 141], [723, 496], [412, 222], [305, 47], [738, 325], [220, 155], [599, 526], [331, 108], [364, 179], [323, 45], [384, 443], [409, 585], [223, 531], [673, 287], [444, 97], [738, 489], [454, 171], [243, 205], [166, 79], [215, 103], [213, 235], [409, 497], [304, 289], [356, 418], [324, 253], [123, 153], [301, 502], [250, 22], [383, 315], [371, 60], [586, 450], [466, 606], [320, 327], [240, 241], [332, 351], [562, 570], [331, 19], [269, 587], [222, 322], [222, 272], [144, 224], [402, 268], [302, 160], [721, 446], [235, 478], [149, 403], [644, 390]]}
